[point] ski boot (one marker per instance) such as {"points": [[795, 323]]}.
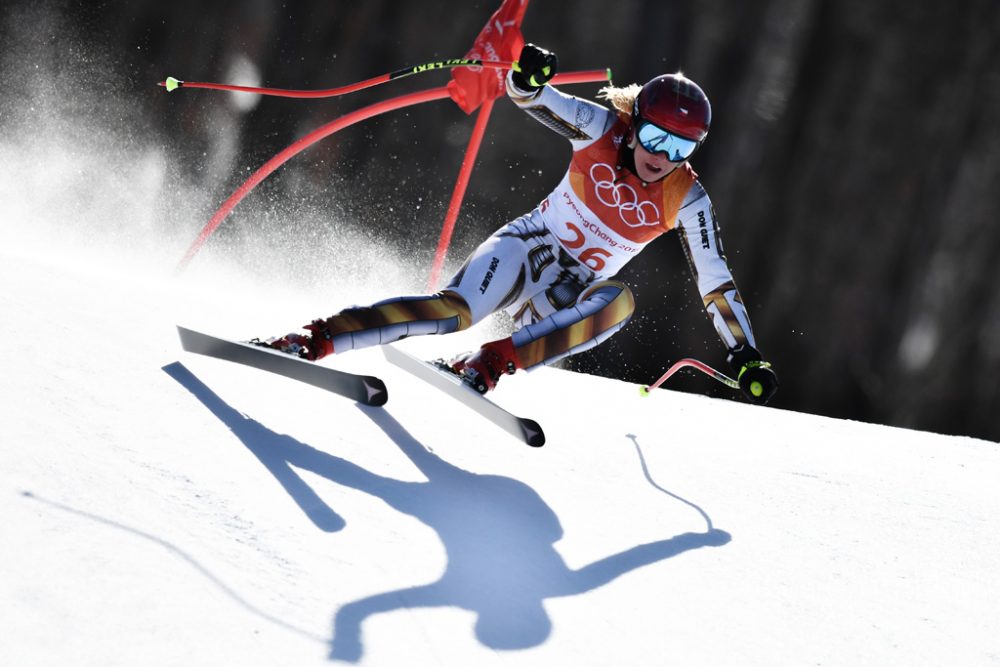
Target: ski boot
{"points": [[312, 346], [481, 370], [294, 344]]}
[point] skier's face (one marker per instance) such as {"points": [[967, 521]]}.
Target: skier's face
{"points": [[651, 167]]}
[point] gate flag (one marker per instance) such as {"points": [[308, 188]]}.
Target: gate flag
{"points": [[501, 40]]}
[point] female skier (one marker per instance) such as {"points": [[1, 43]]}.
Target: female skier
{"points": [[628, 182]]}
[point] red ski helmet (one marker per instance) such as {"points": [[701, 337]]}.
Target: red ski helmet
{"points": [[675, 103]]}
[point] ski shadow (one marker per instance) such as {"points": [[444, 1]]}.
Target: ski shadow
{"points": [[498, 533], [269, 447]]}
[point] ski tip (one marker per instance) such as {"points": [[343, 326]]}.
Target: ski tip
{"points": [[609, 74], [644, 391], [533, 434], [172, 84]]}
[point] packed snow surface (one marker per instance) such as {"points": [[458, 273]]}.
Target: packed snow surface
{"points": [[161, 508]]}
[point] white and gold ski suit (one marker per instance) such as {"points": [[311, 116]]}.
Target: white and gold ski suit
{"points": [[552, 268]]}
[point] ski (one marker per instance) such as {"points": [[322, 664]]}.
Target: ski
{"points": [[526, 430], [362, 388]]}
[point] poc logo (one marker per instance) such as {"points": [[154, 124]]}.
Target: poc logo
{"points": [[494, 263], [703, 226]]}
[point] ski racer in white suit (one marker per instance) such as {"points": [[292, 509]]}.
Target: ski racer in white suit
{"points": [[552, 269]]}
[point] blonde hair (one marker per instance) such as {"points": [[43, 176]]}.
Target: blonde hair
{"points": [[622, 99]]}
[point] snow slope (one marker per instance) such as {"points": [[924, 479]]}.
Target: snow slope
{"points": [[165, 509]]}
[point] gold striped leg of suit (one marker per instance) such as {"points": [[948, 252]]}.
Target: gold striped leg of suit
{"points": [[394, 319], [602, 310]]}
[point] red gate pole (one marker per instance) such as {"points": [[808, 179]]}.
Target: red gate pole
{"points": [[586, 76], [475, 141], [284, 156]]}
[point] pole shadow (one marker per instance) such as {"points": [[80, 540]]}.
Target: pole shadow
{"points": [[181, 555], [498, 533]]}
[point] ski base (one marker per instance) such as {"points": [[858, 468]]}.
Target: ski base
{"points": [[526, 430], [361, 388]]}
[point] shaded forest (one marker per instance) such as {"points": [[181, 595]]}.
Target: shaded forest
{"points": [[854, 162]]}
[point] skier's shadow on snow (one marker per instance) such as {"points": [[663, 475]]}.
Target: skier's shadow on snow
{"points": [[498, 533]]}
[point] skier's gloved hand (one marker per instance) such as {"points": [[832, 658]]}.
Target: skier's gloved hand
{"points": [[757, 380], [534, 68]]}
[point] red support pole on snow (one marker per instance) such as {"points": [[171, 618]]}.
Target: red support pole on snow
{"points": [[475, 141]]}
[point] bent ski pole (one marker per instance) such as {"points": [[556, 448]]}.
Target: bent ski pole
{"points": [[692, 363], [172, 84]]}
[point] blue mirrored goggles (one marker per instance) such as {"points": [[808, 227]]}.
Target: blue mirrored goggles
{"points": [[657, 140]]}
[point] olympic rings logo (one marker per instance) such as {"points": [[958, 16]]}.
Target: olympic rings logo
{"points": [[622, 197]]}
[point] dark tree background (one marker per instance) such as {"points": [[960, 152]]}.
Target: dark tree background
{"points": [[854, 162]]}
